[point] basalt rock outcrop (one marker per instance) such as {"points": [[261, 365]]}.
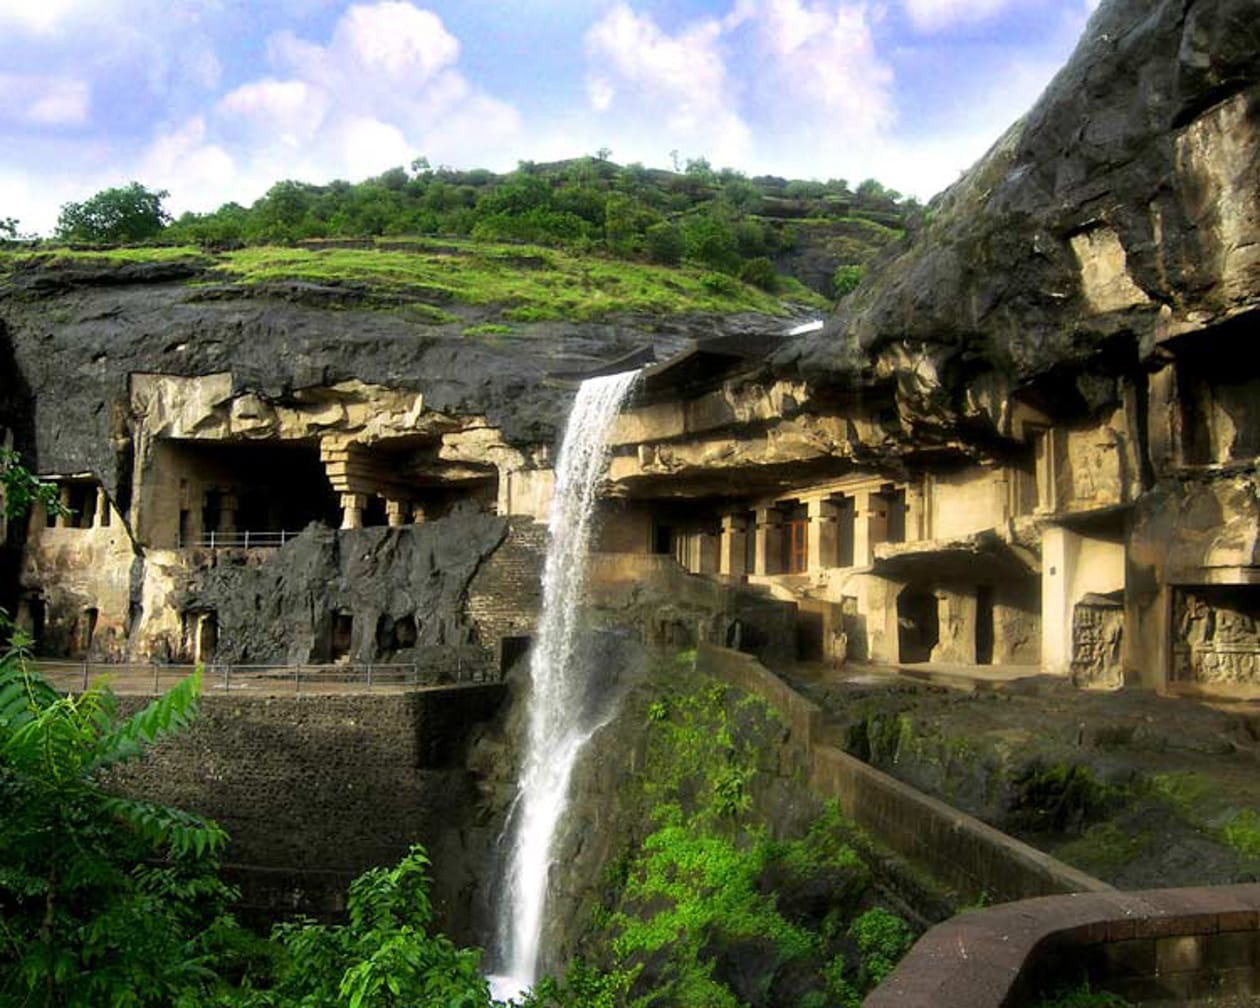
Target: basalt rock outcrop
{"points": [[404, 587], [1120, 211], [71, 334]]}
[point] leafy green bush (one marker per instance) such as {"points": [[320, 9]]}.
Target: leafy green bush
{"points": [[846, 279], [85, 918], [760, 272]]}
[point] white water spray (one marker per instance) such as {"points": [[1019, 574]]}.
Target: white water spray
{"points": [[556, 730]]}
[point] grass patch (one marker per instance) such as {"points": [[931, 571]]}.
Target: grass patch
{"points": [[1186, 793], [530, 283], [1242, 833], [533, 284], [1103, 848], [488, 329]]}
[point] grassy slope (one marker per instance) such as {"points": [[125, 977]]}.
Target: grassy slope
{"points": [[526, 283]]}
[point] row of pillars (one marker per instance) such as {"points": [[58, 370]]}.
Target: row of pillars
{"points": [[839, 531], [397, 512], [69, 519]]}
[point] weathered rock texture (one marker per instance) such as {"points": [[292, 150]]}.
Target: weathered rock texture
{"points": [[1123, 207], [402, 587]]}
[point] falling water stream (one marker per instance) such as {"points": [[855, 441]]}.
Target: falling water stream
{"points": [[557, 728]]}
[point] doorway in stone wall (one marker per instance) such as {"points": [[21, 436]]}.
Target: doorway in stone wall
{"points": [[918, 624], [984, 625], [340, 639]]}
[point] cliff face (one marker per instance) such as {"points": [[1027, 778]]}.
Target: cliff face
{"points": [[72, 335], [1120, 210]]}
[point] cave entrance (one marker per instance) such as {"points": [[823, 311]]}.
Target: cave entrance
{"points": [[85, 630], [342, 634], [247, 492], [984, 625], [918, 625], [512, 651], [809, 636]]}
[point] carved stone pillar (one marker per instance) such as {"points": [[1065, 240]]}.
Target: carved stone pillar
{"points": [[394, 512], [734, 546], [100, 519], [227, 513], [821, 541], [352, 506], [769, 543], [64, 519]]}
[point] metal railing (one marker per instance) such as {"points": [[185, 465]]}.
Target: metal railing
{"points": [[137, 677], [239, 540]]}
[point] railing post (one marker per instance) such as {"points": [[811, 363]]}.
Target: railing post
{"points": [[297, 678], [85, 674], [155, 679], [227, 678], [247, 538], [212, 540], [369, 675]]}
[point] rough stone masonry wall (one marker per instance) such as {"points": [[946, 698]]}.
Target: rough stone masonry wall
{"points": [[315, 789], [505, 594]]}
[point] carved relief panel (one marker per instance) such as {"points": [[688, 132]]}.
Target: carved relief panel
{"points": [[1097, 633], [1216, 635]]}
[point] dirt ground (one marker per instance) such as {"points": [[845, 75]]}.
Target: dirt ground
{"points": [[1140, 790]]}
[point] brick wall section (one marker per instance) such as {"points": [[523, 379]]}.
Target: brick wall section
{"points": [[314, 789], [958, 850], [1165, 945], [506, 592]]}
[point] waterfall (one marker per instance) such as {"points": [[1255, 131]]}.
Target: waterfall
{"points": [[557, 728]]}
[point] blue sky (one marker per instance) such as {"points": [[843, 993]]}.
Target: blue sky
{"points": [[214, 100]]}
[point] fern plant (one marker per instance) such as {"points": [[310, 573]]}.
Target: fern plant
{"points": [[104, 900]]}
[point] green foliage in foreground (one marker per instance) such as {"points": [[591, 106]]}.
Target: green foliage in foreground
{"points": [[109, 901], [20, 490], [710, 910], [104, 900]]}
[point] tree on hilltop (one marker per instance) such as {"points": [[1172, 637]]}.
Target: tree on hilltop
{"points": [[127, 214]]}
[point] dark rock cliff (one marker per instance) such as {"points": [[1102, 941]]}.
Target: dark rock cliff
{"points": [[72, 333], [404, 586], [1122, 206]]}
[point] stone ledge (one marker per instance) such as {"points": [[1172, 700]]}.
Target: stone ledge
{"points": [[1177, 942]]}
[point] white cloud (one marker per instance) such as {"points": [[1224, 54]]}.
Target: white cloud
{"points": [[395, 40], [824, 56], [40, 17], [43, 100], [935, 15], [678, 81], [384, 89], [771, 84]]}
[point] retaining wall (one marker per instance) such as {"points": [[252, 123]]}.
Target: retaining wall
{"points": [[959, 850], [315, 789]]}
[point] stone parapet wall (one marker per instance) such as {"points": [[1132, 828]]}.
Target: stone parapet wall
{"points": [[1164, 945]]}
